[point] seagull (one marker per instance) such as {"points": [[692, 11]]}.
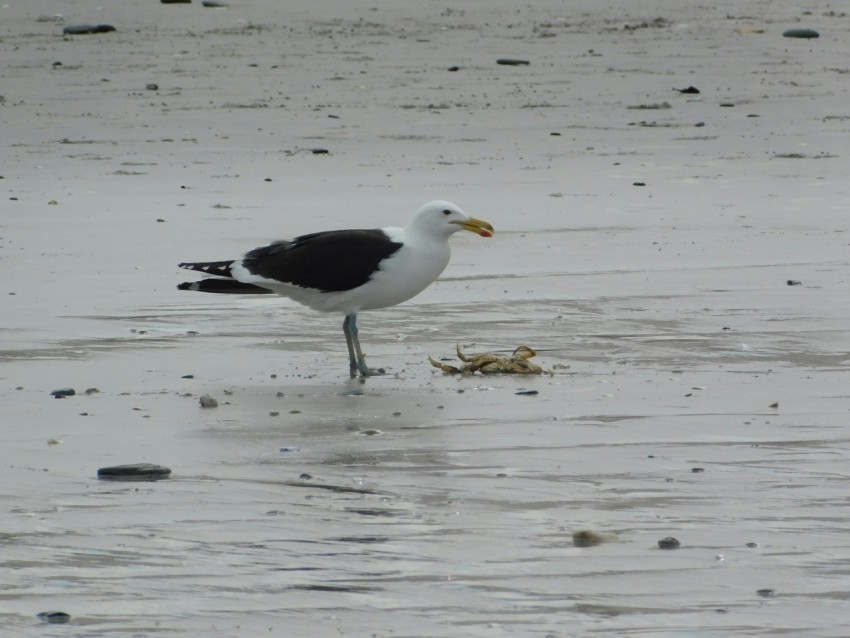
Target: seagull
{"points": [[347, 270]]}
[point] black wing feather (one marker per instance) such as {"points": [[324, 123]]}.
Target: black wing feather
{"points": [[329, 261]]}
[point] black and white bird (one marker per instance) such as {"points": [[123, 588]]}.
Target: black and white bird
{"points": [[347, 270]]}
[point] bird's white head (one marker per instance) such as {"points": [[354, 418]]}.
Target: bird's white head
{"points": [[443, 218]]}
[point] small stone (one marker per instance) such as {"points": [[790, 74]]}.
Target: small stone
{"points": [[176, 1], [527, 393], [453, 69], [370, 432], [152, 86], [512, 62], [669, 543], [54, 617], [91, 391], [290, 449], [134, 472], [207, 401], [638, 183], [794, 282], [305, 477], [188, 376], [214, 4], [697, 470], [752, 545], [766, 592], [85, 29], [774, 405], [589, 538], [319, 151], [691, 90], [63, 392], [54, 441], [274, 413], [800, 33]]}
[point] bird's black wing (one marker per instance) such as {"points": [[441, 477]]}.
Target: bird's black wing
{"points": [[330, 261]]}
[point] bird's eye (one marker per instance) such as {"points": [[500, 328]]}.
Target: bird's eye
{"points": [[447, 212]]}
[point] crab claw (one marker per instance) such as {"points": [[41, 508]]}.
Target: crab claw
{"points": [[443, 366]]}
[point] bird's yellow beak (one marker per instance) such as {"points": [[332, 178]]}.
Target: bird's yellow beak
{"points": [[477, 226]]}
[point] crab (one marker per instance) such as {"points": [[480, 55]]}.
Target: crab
{"points": [[489, 363]]}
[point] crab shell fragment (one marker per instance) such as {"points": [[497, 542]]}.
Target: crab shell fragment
{"points": [[489, 363]]}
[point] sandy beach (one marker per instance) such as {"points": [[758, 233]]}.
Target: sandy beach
{"points": [[678, 259]]}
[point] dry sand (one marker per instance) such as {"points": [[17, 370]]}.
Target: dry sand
{"points": [[668, 301]]}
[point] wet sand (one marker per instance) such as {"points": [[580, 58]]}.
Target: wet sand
{"points": [[694, 394]]}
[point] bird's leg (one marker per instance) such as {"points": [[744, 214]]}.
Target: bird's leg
{"points": [[356, 359], [346, 329]]}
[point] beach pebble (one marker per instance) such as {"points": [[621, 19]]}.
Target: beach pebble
{"points": [[527, 393], [54, 617], [63, 392], [176, 1], [85, 29], [214, 4], [766, 592], [691, 90], [669, 543], [697, 470], [134, 472], [589, 538], [370, 432], [801, 33], [90, 391], [454, 68], [794, 282], [151, 86], [512, 62], [207, 401]]}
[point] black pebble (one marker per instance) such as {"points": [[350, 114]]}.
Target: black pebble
{"points": [[669, 543], [766, 593], [305, 476], [697, 470], [134, 472], [320, 151], [638, 183], [454, 68], [801, 33], [84, 29], [54, 617], [63, 392], [794, 282], [512, 62], [691, 90], [527, 393]]}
